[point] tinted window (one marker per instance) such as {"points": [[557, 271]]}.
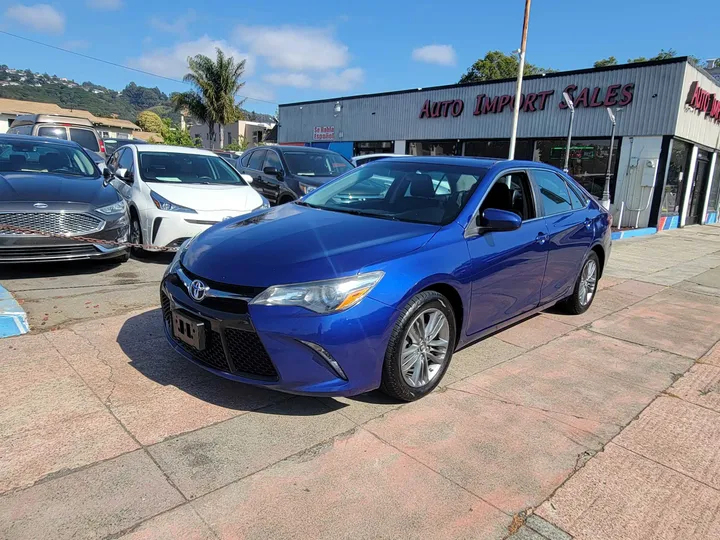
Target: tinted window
{"points": [[58, 159], [85, 138], [553, 192], [125, 161], [244, 160], [54, 132], [418, 192], [577, 203], [21, 130], [176, 167], [511, 193], [256, 160], [273, 160], [304, 163]]}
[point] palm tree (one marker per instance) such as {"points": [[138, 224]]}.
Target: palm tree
{"points": [[212, 99]]}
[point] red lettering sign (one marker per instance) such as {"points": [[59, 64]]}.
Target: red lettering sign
{"points": [[323, 133], [704, 101]]}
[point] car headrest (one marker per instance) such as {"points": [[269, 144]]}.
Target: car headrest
{"points": [[421, 185]]}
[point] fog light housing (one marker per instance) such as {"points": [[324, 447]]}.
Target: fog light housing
{"points": [[327, 357]]}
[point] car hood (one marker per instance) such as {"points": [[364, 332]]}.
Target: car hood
{"points": [[204, 197], [24, 187], [294, 244]]}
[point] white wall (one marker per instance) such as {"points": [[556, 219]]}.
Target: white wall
{"points": [[399, 147], [5, 122], [637, 172]]}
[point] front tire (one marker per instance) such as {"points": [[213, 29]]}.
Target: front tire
{"points": [[585, 287], [136, 235], [420, 347]]}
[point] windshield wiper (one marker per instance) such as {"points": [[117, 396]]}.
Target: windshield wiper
{"points": [[357, 212]]}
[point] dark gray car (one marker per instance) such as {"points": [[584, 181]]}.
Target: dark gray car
{"points": [[51, 192]]}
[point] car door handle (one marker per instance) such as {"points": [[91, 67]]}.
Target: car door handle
{"points": [[542, 238]]}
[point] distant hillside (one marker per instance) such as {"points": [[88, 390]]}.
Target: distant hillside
{"points": [[30, 86]]}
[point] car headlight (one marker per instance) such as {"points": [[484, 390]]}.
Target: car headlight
{"points": [[265, 204], [329, 296], [163, 204], [119, 207], [305, 188]]}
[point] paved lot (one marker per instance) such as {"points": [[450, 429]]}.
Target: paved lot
{"points": [[603, 426]]}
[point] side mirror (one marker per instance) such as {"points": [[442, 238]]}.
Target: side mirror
{"points": [[106, 173], [273, 171], [493, 219], [247, 178]]}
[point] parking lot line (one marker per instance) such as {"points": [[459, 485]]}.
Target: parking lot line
{"points": [[13, 320]]}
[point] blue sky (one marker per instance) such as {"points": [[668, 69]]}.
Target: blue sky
{"points": [[316, 49]]}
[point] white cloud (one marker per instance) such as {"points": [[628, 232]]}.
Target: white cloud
{"points": [[295, 48], [254, 90], [180, 25], [297, 80], [443, 55], [39, 17], [172, 62], [76, 44], [107, 5], [343, 81]]}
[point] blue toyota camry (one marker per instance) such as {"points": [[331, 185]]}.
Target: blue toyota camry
{"points": [[374, 279]]}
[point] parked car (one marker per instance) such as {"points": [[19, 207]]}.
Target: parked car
{"points": [[327, 297], [284, 173], [113, 144], [53, 186], [174, 192], [369, 158], [228, 155], [68, 128]]}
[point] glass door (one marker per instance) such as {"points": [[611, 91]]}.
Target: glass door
{"points": [[699, 188]]}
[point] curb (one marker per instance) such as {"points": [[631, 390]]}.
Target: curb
{"points": [[13, 320], [622, 235]]}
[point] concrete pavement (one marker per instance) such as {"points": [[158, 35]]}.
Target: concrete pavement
{"points": [[601, 426]]}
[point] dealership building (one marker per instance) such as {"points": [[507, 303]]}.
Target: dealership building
{"points": [[664, 171]]}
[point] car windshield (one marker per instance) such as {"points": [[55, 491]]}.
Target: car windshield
{"points": [[403, 191], [327, 164], [26, 156], [175, 167]]}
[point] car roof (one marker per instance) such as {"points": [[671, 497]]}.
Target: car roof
{"points": [[381, 154], [290, 148], [470, 161], [149, 148], [34, 139]]}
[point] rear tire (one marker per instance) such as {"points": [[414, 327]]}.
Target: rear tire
{"points": [[585, 286], [420, 347]]}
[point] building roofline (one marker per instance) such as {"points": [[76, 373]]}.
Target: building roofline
{"points": [[618, 67]]}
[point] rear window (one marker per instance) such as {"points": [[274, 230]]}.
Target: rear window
{"points": [[328, 164], [54, 132], [85, 138]]}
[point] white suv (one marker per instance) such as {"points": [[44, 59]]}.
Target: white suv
{"points": [[175, 193]]}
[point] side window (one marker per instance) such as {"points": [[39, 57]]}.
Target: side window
{"points": [[245, 159], [257, 159], [553, 192], [125, 161], [273, 160], [511, 193], [21, 130], [54, 132], [576, 197]]}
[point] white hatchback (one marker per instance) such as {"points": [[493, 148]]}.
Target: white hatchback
{"points": [[175, 193]]}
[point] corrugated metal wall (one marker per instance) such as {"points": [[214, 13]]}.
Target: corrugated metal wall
{"points": [[692, 124], [653, 111]]}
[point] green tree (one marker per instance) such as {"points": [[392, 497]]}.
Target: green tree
{"points": [[498, 65], [609, 61], [239, 146], [173, 135], [662, 55], [215, 84], [150, 121]]}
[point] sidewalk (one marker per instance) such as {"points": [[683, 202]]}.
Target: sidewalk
{"points": [[601, 426]]}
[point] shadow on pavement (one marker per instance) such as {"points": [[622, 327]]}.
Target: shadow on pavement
{"points": [[56, 269], [142, 339]]}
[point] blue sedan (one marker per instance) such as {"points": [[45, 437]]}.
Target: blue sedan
{"points": [[375, 279]]}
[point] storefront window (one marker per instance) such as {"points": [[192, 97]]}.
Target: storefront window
{"points": [[499, 149], [434, 148], [587, 164], [714, 200], [373, 147], [676, 176]]}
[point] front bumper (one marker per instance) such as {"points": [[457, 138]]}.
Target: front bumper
{"points": [[262, 345], [172, 228]]}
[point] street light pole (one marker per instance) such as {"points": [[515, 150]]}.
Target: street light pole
{"points": [[571, 106], [518, 89], [605, 201]]}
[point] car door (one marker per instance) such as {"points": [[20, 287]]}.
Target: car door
{"points": [[121, 161], [254, 169], [569, 222], [507, 268], [273, 184]]}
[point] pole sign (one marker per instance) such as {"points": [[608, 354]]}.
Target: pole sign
{"points": [[615, 94], [324, 133], [703, 101]]}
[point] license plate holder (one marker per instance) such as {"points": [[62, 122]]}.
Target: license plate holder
{"points": [[189, 330]]}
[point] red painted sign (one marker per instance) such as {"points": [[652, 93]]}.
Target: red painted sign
{"points": [[704, 101], [615, 94], [324, 133]]}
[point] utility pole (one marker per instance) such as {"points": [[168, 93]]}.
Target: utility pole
{"points": [[518, 89]]}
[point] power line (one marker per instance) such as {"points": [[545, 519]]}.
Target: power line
{"points": [[115, 64]]}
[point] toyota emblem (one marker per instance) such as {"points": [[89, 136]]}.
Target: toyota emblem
{"points": [[198, 290], [40, 205]]}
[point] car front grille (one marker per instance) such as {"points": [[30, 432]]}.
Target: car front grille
{"points": [[59, 252], [62, 223], [244, 349]]}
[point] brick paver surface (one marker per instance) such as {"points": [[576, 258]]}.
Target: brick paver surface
{"points": [[604, 426]]}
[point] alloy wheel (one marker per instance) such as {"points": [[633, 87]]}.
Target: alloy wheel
{"points": [[588, 282], [425, 347]]}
